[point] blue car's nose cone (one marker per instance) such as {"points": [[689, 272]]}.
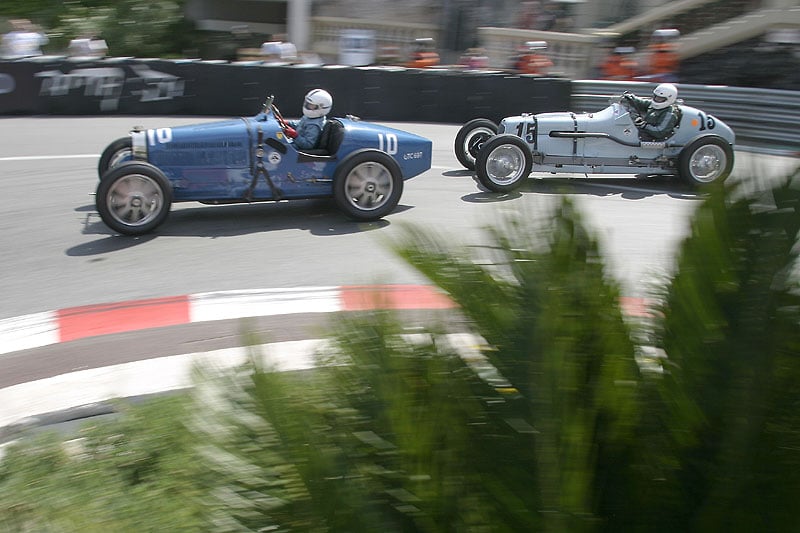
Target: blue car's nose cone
{"points": [[411, 152]]}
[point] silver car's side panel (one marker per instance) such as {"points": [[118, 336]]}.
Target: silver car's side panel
{"points": [[607, 141]]}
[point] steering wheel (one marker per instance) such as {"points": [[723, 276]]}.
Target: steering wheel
{"points": [[628, 106], [279, 118], [287, 129]]}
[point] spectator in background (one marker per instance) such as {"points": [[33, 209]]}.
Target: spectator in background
{"points": [[531, 59], [620, 64], [663, 61], [279, 50], [474, 59], [89, 47], [24, 40], [423, 54]]}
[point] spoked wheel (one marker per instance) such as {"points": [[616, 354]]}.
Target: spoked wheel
{"points": [[133, 198], [115, 153], [470, 138], [368, 185], [503, 163], [706, 160]]}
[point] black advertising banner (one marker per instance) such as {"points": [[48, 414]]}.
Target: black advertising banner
{"points": [[60, 86]]}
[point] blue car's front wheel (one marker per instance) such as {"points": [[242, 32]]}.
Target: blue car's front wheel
{"points": [[368, 185], [133, 198]]}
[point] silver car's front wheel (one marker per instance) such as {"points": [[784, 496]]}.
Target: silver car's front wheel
{"points": [[706, 160], [503, 163]]}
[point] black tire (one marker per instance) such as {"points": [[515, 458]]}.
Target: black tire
{"points": [[115, 153], [470, 138], [706, 160], [133, 198], [503, 163], [367, 185]]}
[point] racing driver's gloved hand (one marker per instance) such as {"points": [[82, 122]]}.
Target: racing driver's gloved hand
{"points": [[290, 132], [639, 122], [627, 95]]}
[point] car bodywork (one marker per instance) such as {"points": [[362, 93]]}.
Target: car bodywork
{"points": [[700, 148], [252, 159]]}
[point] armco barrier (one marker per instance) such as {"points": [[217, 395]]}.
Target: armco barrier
{"points": [[56, 85], [761, 118]]}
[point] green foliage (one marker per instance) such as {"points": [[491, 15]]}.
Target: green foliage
{"points": [[42, 12], [133, 473], [731, 332], [156, 28], [130, 27], [562, 343]]}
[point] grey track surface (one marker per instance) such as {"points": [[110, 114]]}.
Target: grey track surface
{"points": [[57, 253]]}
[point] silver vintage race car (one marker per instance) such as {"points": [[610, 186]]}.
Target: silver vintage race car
{"points": [[699, 150]]}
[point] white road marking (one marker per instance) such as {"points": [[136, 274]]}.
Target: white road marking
{"points": [[45, 157]]}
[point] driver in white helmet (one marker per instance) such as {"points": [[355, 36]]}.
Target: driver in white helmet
{"points": [[316, 105], [656, 117]]}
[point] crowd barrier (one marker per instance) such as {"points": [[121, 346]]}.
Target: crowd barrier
{"points": [[163, 87], [127, 86]]}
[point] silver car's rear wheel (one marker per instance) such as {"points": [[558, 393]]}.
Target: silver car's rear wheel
{"points": [[470, 139], [705, 161], [503, 163]]}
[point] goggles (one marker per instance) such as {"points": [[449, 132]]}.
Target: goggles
{"points": [[311, 106], [659, 99]]}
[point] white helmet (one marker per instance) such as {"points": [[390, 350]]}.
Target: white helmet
{"points": [[664, 96], [317, 103]]}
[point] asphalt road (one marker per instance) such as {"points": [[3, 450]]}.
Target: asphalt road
{"points": [[57, 253]]}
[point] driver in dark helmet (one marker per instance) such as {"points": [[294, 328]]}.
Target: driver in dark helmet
{"points": [[657, 116]]}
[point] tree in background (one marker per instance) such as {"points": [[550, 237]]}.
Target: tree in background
{"points": [[130, 28]]}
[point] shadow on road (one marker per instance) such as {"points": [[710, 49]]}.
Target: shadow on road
{"points": [[318, 217], [632, 188]]}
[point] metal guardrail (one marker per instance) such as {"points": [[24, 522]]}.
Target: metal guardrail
{"points": [[763, 118]]}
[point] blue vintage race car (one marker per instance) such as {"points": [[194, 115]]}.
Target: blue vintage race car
{"points": [[250, 159], [699, 150]]}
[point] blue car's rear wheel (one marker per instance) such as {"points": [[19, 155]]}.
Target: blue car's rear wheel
{"points": [[470, 139], [503, 163], [133, 198], [368, 185], [115, 153]]}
